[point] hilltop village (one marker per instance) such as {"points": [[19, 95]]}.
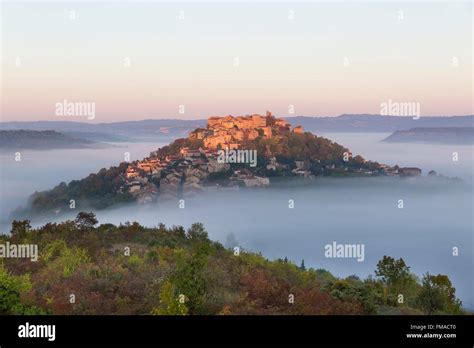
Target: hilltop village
{"points": [[195, 164], [189, 170]]}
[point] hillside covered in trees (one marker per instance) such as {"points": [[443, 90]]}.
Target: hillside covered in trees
{"points": [[98, 191], [86, 268], [289, 155], [323, 157]]}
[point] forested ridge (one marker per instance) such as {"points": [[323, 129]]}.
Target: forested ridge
{"points": [[87, 268]]}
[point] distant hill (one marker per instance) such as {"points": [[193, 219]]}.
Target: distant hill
{"points": [[196, 164], [170, 129], [144, 130], [445, 135], [41, 140], [377, 123]]}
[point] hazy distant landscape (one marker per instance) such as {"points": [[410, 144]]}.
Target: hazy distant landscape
{"points": [[347, 210], [169, 129], [43, 140], [238, 158], [442, 135]]}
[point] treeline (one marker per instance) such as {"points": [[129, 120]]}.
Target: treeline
{"points": [[319, 153], [86, 268], [98, 191], [106, 188]]}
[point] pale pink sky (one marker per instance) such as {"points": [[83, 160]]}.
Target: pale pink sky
{"points": [[328, 60]]}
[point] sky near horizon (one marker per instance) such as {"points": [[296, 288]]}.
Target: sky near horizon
{"points": [[192, 60]]}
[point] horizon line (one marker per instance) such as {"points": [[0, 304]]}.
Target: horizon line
{"points": [[205, 118]]}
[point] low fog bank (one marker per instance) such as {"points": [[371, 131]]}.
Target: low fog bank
{"points": [[436, 216], [437, 213], [427, 157], [43, 170]]}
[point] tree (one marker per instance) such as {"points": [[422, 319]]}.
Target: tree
{"points": [[391, 271], [197, 233], [11, 289], [188, 277], [395, 275], [67, 259], [86, 221], [20, 228], [302, 266], [438, 295], [169, 302]]}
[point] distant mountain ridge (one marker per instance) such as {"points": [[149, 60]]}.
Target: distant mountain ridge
{"points": [[149, 130], [143, 130], [442, 135], [42, 140], [377, 123]]}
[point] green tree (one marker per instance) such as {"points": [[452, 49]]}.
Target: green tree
{"points": [[397, 280], [66, 259], [86, 221], [20, 228], [11, 289], [197, 233], [170, 304], [188, 277], [438, 295], [391, 271]]}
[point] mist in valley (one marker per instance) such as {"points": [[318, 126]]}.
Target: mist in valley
{"points": [[437, 213]]}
